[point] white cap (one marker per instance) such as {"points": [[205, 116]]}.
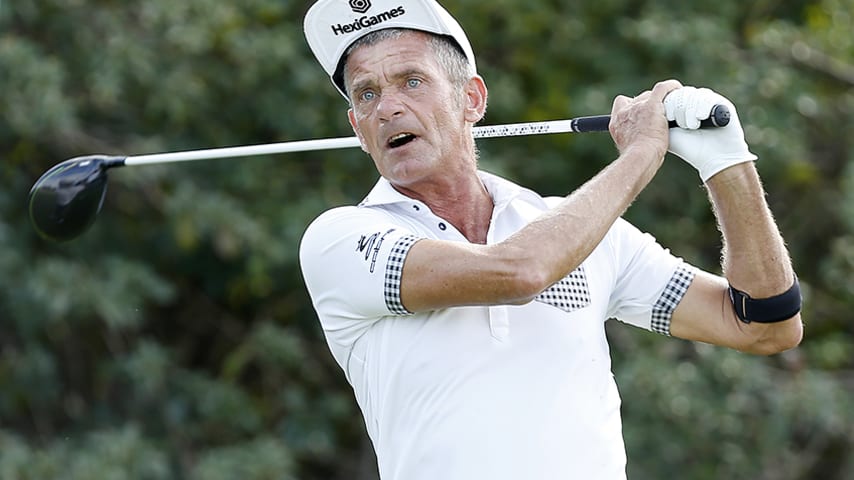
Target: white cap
{"points": [[333, 25]]}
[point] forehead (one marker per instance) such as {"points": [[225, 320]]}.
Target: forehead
{"points": [[409, 47]]}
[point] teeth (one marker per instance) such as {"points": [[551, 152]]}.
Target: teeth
{"points": [[400, 139]]}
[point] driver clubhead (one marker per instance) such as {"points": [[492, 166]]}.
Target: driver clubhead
{"points": [[64, 202]]}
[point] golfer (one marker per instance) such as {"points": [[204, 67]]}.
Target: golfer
{"points": [[467, 312]]}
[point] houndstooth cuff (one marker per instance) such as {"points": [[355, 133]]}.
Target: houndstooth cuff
{"points": [[393, 273], [670, 298]]}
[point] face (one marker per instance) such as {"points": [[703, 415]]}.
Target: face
{"points": [[409, 117]]}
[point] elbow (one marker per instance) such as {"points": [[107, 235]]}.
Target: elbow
{"points": [[779, 337], [527, 283], [522, 276], [788, 336]]}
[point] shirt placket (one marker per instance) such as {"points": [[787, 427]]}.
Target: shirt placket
{"points": [[499, 320]]}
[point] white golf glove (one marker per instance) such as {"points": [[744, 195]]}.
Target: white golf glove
{"points": [[709, 150]]}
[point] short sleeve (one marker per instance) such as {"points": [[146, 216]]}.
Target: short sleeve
{"points": [[351, 260], [649, 281]]}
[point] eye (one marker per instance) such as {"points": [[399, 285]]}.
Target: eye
{"points": [[413, 82], [367, 96]]}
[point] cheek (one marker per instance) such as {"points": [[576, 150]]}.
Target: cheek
{"points": [[450, 115], [362, 126], [358, 120]]}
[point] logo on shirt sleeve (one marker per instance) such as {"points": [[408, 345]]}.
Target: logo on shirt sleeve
{"points": [[370, 245]]}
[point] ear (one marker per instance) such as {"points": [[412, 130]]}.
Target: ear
{"points": [[355, 126], [476, 96]]}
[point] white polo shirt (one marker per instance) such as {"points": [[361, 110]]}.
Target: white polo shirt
{"points": [[500, 392]]}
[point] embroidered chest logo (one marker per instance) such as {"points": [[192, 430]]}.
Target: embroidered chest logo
{"points": [[568, 294], [369, 246]]}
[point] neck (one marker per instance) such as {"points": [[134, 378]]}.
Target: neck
{"points": [[463, 202]]}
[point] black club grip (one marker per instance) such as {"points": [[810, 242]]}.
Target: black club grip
{"points": [[718, 117]]}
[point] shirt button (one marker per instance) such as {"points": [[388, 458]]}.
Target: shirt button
{"points": [[442, 226], [416, 207]]}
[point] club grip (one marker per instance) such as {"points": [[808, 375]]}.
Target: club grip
{"points": [[718, 117]]}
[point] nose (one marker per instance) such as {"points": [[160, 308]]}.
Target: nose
{"points": [[389, 106]]}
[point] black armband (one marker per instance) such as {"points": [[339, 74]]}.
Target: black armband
{"points": [[766, 310]]}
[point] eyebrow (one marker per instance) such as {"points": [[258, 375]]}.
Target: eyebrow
{"points": [[359, 85]]}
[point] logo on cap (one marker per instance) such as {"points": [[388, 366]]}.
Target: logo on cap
{"points": [[366, 21], [360, 6]]}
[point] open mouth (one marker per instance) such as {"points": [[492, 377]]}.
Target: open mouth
{"points": [[400, 140]]}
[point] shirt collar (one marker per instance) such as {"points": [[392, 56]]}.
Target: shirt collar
{"points": [[502, 192]]}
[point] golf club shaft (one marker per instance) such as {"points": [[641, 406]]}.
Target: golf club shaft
{"points": [[581, 124], [718, 117]]}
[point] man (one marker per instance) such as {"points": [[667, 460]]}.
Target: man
{"points": [[468, 312]]}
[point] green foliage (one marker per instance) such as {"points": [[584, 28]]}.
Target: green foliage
{"points": [[259, 459], [175, 339], [760, 418], [109, 454]]}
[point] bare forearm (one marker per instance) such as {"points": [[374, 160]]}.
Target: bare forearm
{"points": [[559, 241], [755, 259]]}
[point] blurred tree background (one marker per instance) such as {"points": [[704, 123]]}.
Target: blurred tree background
{"points": [[175, 338]]}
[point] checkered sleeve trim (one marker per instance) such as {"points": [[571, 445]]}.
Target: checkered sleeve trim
{"points": [[670, 298], [393, 273]]}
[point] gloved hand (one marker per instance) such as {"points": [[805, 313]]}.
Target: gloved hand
{"points": [[709, 150]]}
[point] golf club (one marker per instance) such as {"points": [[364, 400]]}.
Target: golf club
{"points": [[64, 202]]}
